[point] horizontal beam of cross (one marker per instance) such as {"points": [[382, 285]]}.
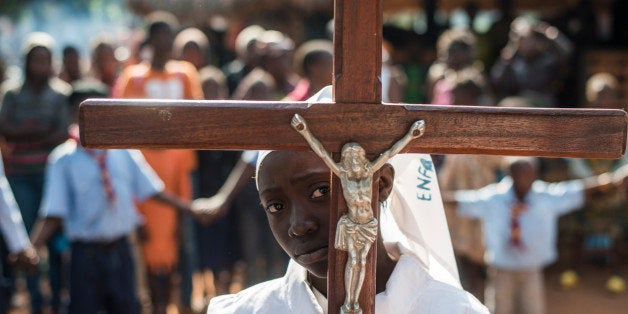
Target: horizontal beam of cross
{"points": [[127, 123]]}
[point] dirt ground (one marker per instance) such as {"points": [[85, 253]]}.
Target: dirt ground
{"points": [[588, 297]]}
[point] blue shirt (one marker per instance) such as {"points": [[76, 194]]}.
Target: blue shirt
{"points": [[546, 202], [74, 192]]}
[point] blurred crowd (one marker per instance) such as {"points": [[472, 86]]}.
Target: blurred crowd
{"points": [[522, 61]]}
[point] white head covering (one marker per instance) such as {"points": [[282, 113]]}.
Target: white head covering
{"points": [[413, 219]]}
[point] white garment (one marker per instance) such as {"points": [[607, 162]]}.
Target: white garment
{"points": [[410, 289], [11, 223], [546, 202]]}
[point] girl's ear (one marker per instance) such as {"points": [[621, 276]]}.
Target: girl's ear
{"points": [[385, 177]]}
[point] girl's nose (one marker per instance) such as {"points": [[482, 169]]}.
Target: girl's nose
{"points": [[301, 223]]}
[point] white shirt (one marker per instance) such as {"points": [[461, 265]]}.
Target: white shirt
{"points": [[410, 289], [11, 222], [546, 202]]}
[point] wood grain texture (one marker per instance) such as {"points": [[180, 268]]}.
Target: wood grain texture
{"points": [[593, 133], [357, 51]]}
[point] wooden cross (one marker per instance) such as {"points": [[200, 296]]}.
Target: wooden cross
{"points": [[356, 115]]}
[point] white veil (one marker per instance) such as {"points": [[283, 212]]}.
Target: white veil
{"points": [[414, 217]]}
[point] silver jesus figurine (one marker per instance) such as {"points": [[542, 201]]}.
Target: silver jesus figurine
{"points": [[356, 230]]}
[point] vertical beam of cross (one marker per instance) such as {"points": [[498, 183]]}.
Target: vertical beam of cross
{"points": [[357, 71], [357, 51]]}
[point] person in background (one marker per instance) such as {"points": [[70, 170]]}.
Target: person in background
{"points": [[519, 218], [91, 193], [456, 51], [214, 83], [71, 67], [104, 66], [247, 56], [257, 85], [600, 227], [313, 61], [533, 63], [163, 77], [33, 120], [469, 88], [192, 45], [160, 232], [277, 54]]}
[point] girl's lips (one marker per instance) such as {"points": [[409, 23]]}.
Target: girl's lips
{"points": [[312, 257]]}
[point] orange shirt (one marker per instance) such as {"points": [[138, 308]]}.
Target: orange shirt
{"points": [[179, 80], [174, 167]]}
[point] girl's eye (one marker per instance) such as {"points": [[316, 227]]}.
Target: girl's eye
{"points": [[274, 207], [320, 192]]}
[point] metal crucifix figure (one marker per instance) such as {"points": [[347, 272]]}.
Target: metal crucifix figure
{"points": [[356, 230]]}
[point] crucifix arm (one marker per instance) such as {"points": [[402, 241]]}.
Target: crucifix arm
{"points": [[416, 130], [299, 124]]}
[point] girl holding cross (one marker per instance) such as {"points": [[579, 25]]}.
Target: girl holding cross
{"points": [[416, 272]]}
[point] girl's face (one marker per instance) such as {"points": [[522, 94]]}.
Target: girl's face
{"points": [[294, 191]]}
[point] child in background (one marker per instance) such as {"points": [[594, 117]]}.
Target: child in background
{"points": [[313, 62], [91, 193], [600, 227], [519, 216]]}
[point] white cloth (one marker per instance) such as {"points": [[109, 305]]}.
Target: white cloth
{"points": [[546, 202], [419, 221], [11, 222], [410, 289]]}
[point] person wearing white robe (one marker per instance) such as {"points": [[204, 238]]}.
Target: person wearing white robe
{"points": [[414, 231]]}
